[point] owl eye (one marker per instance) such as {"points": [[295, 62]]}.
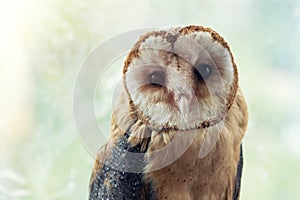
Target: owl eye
{"points": [[157, 78], [203, 71]]}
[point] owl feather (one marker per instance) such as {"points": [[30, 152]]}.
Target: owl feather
{"points": [[178, 125]]}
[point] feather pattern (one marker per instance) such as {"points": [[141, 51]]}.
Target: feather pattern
{"points": [[181, 139]]}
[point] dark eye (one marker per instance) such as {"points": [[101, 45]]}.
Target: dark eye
{"points": [[157, 78], [203, 71]]}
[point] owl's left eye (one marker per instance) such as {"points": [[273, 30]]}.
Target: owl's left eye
{"points": [[157, 78], [203, 71]]}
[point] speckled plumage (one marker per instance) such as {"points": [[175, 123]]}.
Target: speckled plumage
{"points": [[180, 139]]}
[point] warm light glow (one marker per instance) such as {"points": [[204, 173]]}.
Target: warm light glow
{"points": [[14, 81]]}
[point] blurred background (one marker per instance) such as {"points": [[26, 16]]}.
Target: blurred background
{"points": [[44, 43]]}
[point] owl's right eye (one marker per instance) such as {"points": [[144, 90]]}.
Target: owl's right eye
{"points": [[157, 78]]}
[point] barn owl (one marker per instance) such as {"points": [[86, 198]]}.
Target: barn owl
{"points": [[178, 125]]}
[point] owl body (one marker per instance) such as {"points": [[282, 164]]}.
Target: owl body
{"points": [[177, 128]]}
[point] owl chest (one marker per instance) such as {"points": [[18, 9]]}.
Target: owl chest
{"points": [[191, 177]]}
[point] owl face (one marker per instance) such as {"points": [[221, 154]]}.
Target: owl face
{"points": [[182, 79]]}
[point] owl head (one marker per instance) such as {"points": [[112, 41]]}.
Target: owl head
{"points": [[181, 78]]}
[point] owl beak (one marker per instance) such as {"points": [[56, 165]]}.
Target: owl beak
{"points": [[184, 99], [184, 108]]}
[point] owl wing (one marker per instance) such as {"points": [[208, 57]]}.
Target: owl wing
{"points": [[237, 187], [114, 175]]}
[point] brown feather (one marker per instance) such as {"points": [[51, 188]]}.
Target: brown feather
{"points": [[195, 159], [213, 176]]}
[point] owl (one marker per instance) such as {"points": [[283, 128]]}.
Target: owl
{"points": [[178, 124]]}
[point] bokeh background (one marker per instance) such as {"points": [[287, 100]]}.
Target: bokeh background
{"points": [[44, 43]]}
